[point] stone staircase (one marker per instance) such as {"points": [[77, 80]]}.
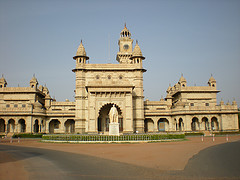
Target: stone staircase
{"points": [[207, 133]]}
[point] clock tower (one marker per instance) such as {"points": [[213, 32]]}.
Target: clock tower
{"points": [[125, 47]]}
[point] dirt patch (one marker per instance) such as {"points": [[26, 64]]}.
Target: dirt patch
{"points": [[161, 156], [10, 168]]}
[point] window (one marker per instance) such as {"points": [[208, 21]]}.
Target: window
{"points": [[97, 76], [7, 105], [0, 86], [191, 104], [23, 105], [15, 105], [109, 77], [207, 104], [120, 77]]}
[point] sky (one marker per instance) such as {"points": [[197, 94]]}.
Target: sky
{"points": [[189, 37]]}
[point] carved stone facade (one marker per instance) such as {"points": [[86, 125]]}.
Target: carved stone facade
{"points": [[99, 87]]}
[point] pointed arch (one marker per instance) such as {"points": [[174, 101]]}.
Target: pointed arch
{"points": [[2, 125], [103, 117], [22, 125], [214, 124]]}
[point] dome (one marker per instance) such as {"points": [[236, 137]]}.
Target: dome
{"points": [[3, 80], [182, 79], [33, 80], [81, 52], [211, 79], [137, 51]]}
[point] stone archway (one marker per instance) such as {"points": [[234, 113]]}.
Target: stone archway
{"points": [[195, 124], [54, 126], [22, 125], [180, 124], [36, 126], [163, 124], [2, 125], [103, 118], [148, 125], [205, 124], [214, 124], [11, 126], [69, 126]]}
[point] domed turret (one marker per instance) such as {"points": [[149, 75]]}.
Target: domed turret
{"points": [[137, 56], [212, 82], [3, 82], [33, 82], [182, 81], [81, 55]]}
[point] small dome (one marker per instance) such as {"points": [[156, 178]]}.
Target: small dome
{"points": [[137, 51], [33, 80], [81, 50], [3, 80], [211, 80], [182, 79], [169, 88]]}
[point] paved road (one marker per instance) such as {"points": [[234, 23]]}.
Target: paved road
{"points": [[217, 161], [212, 163]]}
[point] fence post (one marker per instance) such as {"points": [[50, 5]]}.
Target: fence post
{"points": [[18, 139], [227, 137]]}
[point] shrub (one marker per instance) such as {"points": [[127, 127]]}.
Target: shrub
{"points": [[194, 134], [130, 137], [27, 135]]}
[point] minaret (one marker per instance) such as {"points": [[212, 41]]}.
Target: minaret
{"points": [[137, 56], [81, 55], [80, 91], [125, 46]]}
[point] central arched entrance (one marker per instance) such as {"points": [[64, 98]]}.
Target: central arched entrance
{"points": [[103, 118]]}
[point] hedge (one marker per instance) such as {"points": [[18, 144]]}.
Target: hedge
{"points": [[27, 135], [131, 137], [194, 134]]}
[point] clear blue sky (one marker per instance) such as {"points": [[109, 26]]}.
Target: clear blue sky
{"points": [[196, 38]]}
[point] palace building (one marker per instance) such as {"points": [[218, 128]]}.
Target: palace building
{"points": [[100, 86]]}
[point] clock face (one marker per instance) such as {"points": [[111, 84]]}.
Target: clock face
{"points": [[126, 46]]}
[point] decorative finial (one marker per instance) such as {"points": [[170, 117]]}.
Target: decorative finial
{"points": [[2, 76], [34, 75], [125, 25], [81, 41], [136, 41], [181, 74]]}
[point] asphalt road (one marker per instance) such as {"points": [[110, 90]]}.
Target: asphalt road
{"points": [[221, 161]]}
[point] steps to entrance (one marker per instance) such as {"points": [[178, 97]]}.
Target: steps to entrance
{"points": [[10, 135]]}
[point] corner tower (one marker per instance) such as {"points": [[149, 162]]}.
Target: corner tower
{"points": [[125, 47]]}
